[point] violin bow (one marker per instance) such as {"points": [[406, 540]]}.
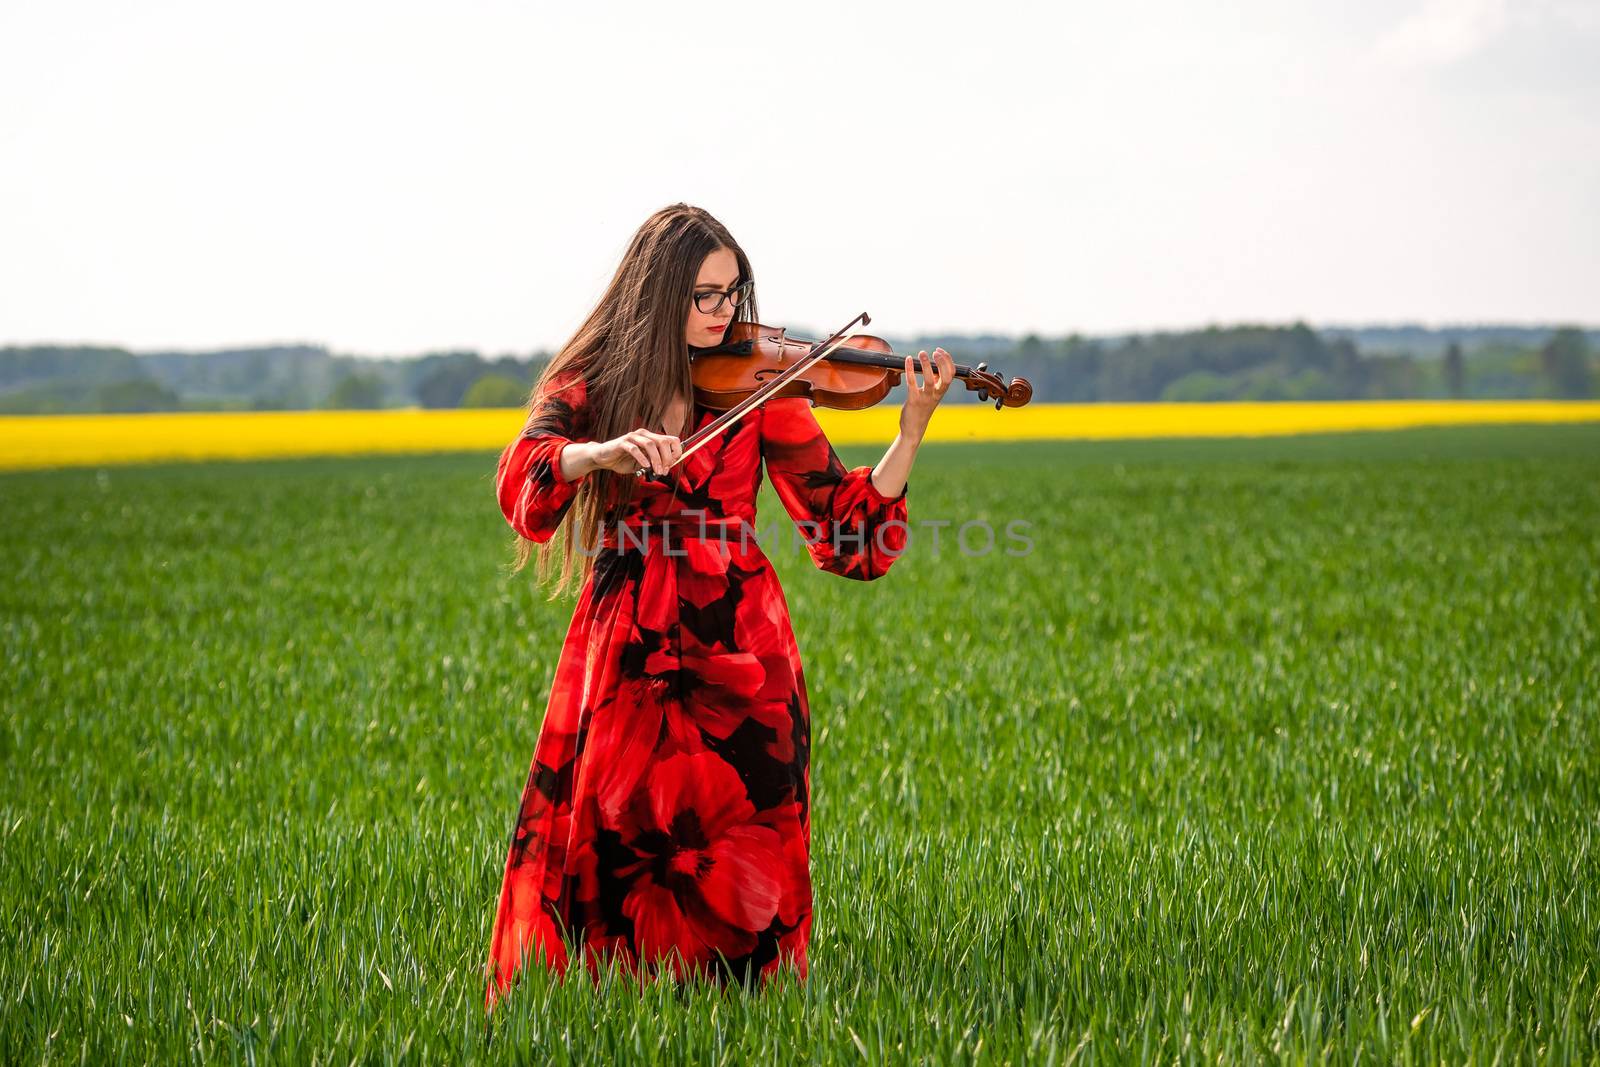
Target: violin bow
{"points": [[819, 351]]}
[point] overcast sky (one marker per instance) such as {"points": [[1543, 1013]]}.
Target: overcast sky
{"points": [[389, 178]]}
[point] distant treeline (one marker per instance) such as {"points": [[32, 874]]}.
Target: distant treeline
{"points": [[1245, 362]]}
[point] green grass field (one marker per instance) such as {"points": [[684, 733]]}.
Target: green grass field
{"points": [[1284, 748]]}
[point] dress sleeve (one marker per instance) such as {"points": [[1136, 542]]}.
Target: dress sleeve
{"points": [[533, 496], [850, 528]]}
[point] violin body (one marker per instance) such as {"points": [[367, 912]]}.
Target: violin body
{"points": [[848, 378]]}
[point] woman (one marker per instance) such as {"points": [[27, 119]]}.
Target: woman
{"points": [[666, 818]]}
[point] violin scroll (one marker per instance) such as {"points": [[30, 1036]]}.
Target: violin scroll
{"points": [[989, 385]]}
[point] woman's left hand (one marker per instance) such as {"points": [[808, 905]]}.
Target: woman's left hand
{"points": [[924, 393]]}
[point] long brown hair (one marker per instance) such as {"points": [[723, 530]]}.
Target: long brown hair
{"points": [[634, 359]]}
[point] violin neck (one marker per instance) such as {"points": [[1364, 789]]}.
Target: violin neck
{"points": [[878, 359], [842, 354]]}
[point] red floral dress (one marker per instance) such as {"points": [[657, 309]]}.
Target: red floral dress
{"points": [[666, 817]]}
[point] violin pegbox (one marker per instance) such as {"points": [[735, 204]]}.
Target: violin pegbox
{"points": [[985, 384], [990, 386], [984, 392]]}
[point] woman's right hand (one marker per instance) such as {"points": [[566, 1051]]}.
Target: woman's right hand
{"points": [[635, 450]]}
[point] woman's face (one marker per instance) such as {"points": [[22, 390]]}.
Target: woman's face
{"points": [[718, 273]]}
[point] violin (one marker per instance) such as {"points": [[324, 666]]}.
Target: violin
{"points": [[755, 363], [849, 377]]}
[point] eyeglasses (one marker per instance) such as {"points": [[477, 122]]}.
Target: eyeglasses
{"points": [[738, 294]]}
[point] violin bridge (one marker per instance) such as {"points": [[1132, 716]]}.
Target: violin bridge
{"points": [[784, 344]]}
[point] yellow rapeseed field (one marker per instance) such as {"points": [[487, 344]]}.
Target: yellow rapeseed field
{"points": [[35, 441]]}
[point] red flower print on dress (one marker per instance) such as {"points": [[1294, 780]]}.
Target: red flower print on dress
{"points": [[708, 873]]}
